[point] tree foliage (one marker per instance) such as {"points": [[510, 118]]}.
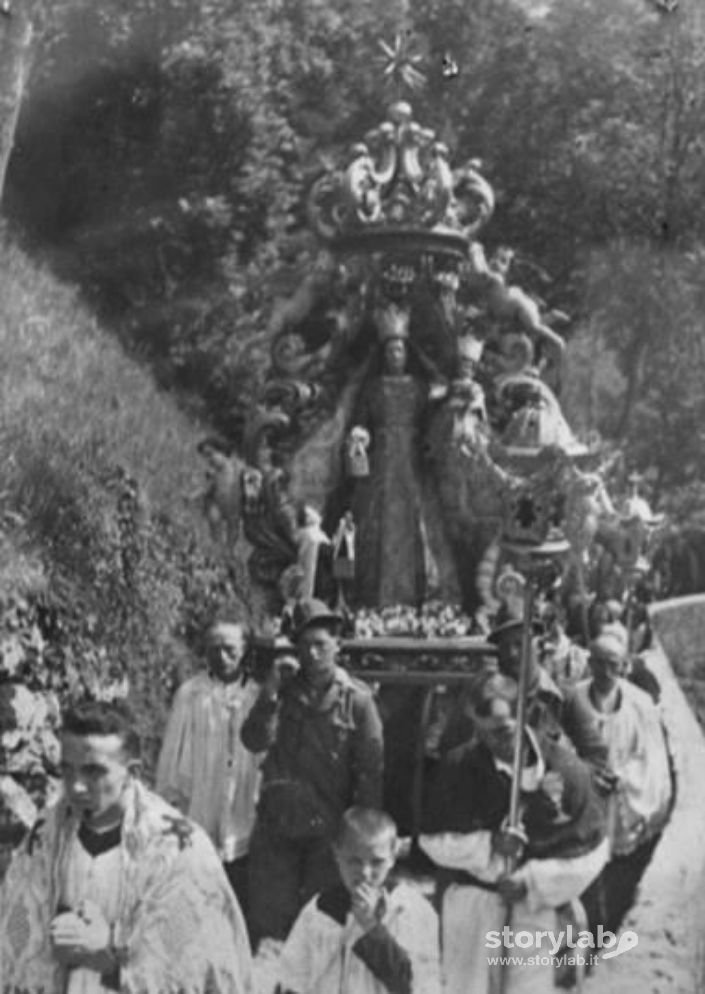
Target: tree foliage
{"points": [[165, 153]]}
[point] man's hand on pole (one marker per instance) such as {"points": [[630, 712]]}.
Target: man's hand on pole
{"points": [[511, 889], [510, 842]]}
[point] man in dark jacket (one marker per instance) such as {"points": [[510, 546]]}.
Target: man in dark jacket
{"points": [[546, 713], [575, 727], [323, 737], [555, 854]]}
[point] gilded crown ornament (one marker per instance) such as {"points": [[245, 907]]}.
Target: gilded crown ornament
{"points": [[392, 323], [399, 192]]}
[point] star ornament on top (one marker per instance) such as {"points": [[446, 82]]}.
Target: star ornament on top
{"points": [[400, 61]]}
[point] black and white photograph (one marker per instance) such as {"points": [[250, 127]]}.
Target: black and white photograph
{"points": [[352, 500]]}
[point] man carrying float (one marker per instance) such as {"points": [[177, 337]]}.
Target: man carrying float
{"points": [[495, 873]]}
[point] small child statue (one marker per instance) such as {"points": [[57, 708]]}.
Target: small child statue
{"points": [[344, 558], [310, 540]]}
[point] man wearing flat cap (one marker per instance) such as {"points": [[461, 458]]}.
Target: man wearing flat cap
{"points": [[323, 738], [546, 703]]}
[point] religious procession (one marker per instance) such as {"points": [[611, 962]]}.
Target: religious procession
{"points": [[437, 730]]}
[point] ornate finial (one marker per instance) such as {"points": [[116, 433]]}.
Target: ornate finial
{"points": [[399, 191], [401, 62]]}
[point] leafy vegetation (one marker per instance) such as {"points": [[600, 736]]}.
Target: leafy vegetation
{"points": [[103, 575], [164, 165]]}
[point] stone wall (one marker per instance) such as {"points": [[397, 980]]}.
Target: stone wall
{"points": [[669, 914]]}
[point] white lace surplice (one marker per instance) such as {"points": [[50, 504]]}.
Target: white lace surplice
{"points": [[639, 756], [469, 912], [318, 956], [83, 877], [178, 924], [204, 768]]}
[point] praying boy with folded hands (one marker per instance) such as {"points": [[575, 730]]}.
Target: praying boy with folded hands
{"points": [[369, 934]]}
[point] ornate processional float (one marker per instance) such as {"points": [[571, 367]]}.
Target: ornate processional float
{"points": [[408, 396], [408, 439]]}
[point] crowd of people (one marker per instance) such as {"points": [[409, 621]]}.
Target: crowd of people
{"points": [[267, 824]]}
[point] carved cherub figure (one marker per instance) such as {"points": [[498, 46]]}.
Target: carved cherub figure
{"points": [[510, 303], [221, 498], [310, 539]]}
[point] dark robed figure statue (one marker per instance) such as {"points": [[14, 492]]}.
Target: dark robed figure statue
{"points": [[396, 564]]}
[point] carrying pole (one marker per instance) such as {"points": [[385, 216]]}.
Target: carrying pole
{"points": [[514, 817], [518, 759]]}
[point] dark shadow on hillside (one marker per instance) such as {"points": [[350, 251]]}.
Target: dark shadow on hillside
{"points": [[117, 181]]}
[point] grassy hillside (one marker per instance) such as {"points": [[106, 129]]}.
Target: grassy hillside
{"points": [[101, 564]]}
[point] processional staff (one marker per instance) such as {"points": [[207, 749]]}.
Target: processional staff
{"points": [[534, 563], [514, 819]]}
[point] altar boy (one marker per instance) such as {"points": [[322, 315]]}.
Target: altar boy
{"points": [[369, 934]]}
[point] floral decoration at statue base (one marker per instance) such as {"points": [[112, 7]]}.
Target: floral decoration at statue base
{"points": [[433, 620], [403, 644]]}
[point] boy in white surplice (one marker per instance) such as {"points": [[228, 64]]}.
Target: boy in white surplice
{"points": [[368, 934]]}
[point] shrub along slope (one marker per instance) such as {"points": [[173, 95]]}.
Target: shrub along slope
{"points": [[102, 572]]}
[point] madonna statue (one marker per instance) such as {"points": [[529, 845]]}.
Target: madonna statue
{"points": [[402, 556]]}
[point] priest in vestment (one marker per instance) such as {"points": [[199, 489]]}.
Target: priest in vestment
{"points": [[113, 889]]}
